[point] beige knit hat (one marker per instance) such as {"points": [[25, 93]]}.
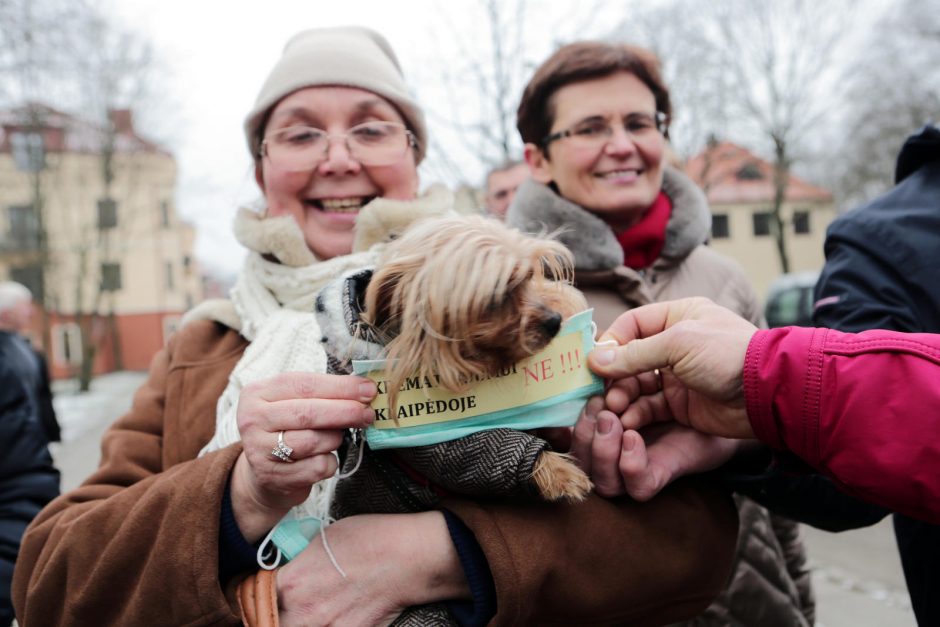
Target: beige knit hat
{"points": [[349, 56]]}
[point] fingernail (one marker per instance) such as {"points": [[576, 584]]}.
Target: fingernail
{"points": [[604, 424], [603, 356], [367, 390], [628, 442], [368, 415], [593, 406]]}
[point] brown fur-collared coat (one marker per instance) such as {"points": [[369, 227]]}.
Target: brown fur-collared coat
{"points": [[771, 584]]}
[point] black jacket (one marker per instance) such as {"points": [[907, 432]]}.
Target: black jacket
{"points": [[28, 479], [883, 272]]}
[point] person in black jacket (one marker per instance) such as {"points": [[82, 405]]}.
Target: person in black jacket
{"points": [[28, 480], [881, 270]]}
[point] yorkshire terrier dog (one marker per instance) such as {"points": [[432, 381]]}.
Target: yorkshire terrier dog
{"points": [[468, 297], [454, 299]]}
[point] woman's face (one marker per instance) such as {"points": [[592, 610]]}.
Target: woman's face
{"points": [[616, 178], [326, 199]]}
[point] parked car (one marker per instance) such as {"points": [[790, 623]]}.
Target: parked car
{"points": [[790, 300]]}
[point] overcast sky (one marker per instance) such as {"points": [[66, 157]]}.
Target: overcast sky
{"points": [[215, 55]]}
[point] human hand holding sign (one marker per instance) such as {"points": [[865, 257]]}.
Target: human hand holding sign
{"points": [[698, 349]]}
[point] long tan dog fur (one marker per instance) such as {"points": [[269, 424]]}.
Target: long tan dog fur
{"points": [[465, 297]]}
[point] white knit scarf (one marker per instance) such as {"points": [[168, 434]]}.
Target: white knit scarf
{"points": [[274, 305], [274, 301]]}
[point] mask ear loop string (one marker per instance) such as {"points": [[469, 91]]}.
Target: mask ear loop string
{"points": [[357, 437], [610, 343], [267, 549], [265, 552]]}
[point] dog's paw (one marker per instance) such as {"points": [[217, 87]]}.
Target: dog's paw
{"points": [[557, 477]]}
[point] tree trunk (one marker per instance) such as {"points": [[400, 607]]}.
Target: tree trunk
{"points": [[86, 371], [115, 336], [781, 180]]}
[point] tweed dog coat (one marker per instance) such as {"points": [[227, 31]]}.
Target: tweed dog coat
{"points": [[495, 462]]}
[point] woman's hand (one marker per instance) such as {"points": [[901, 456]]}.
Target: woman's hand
{"points": [[621, 460], [313, 411], [391, 561]]}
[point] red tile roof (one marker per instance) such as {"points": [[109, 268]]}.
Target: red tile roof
{"points": [[67, 132], [718, 170]]}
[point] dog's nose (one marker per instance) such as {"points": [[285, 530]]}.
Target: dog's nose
{"points": [[551, 324]]}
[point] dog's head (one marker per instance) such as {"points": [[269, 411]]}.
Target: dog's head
{"points": [[467, 296]]}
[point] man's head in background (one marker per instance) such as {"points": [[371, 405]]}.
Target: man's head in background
{"points": [[501, 184], [16, 306]]}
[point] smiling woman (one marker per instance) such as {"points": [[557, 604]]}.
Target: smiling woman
{"points": [[609, 157], [327, 152], [595, 121]]}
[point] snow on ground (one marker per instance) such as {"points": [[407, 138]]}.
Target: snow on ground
{"points": [[109, 397]]}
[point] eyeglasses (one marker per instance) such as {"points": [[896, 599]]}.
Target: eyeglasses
{"points": [[301, 148], [595, 132]]}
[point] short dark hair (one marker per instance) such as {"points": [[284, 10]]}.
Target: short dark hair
{"points": [[578, 62]]}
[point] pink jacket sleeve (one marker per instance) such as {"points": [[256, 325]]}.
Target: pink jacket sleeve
{"points": [[862, 408]]}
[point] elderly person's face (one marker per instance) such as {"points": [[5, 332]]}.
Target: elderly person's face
{"points": [[326, 191], [18, 317], [501, 187], [616, 177]]}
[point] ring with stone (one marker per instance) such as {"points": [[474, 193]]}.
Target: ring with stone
{"points": [[281, 450]]}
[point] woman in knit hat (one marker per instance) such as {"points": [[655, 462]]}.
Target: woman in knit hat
{"points": [[228, 452]]}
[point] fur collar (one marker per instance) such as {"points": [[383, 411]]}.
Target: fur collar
{"points": [[379, 222], [538, 209], [383, 219]]}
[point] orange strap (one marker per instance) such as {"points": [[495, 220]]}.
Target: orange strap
{"points": [[257, 599]]}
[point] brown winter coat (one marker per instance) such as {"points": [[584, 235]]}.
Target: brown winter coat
{"points": [[137, 543], [770, 585]]}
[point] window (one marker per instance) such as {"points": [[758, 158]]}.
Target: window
{"points": [[31, 277], [749, 172], [165, 214], [169, 275], [801, 222], [24, 228], [29, 151], [720, 227], [761, 223], [107, 213], [792, 306], [67, 344], [110, 277]]}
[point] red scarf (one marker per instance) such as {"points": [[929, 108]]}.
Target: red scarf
{"points": [[643, 241]]}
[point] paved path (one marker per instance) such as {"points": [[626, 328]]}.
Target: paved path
{"points": [[856, 574], [857, 578]]}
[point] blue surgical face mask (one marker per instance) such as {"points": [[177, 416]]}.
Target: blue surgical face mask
{"points": [[560, 410], [301, 524], [292, 535]]}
